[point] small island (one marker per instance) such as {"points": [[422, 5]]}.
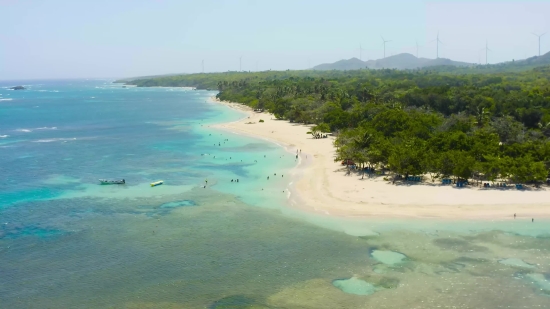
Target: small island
{"points": [[18, 88]]}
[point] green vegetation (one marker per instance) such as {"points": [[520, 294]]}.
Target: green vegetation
{"points": [[487, 126]]}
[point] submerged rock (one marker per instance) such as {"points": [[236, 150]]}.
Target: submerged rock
{"points": [[540, 281], [178, 204], [234, 301], [380, 269], [516, 262], [18, 88]]}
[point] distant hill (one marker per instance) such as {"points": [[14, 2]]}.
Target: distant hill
{"points": [[508, 66], [123, 80], [403, 61], [410, 62], [532, 62], [342, 65]]}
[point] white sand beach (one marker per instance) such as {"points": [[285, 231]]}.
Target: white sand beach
{"points": [[321, 185]]}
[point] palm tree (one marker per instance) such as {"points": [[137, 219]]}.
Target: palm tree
{"points": [[545, 128], [482, 116]]}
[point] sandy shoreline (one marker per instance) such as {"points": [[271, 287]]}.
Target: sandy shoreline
{"points": [[321, 185]]}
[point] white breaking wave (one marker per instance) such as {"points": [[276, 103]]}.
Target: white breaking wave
{"points": [[6, 99], [54, 140], [30, 130], [4, 136]]}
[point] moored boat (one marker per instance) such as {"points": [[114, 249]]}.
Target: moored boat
{"points": [[157, 183], [112, 181]]}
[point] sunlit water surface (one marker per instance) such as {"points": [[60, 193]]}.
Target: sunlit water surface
{"points": [[68, 242]]}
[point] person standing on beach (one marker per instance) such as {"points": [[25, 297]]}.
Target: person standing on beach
{"points": [[514, 216]]}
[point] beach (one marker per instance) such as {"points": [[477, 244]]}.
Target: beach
{"points": [[298, 239], [323, 186]]}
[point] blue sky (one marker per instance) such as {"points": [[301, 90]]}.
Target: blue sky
{"points": [[120, 38]]}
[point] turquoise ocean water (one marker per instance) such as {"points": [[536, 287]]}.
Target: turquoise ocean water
{"points": [[68, 242]]}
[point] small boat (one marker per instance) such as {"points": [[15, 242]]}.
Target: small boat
{"points": [[157, 183], [112, 181]]}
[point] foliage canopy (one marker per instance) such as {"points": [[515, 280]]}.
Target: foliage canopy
{"points": [[466, 124]]}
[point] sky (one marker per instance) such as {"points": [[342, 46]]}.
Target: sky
{"points": [[126, 38]]}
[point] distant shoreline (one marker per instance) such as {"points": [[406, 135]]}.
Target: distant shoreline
{"points": [[321, 186]]}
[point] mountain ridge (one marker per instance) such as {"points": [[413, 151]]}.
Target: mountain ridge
{"points": [[406, 61], [403, 61]]}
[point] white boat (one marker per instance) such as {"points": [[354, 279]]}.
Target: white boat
{"points": [[112, 181], [157, 183]]}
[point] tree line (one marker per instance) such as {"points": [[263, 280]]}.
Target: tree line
{"points": [[486, 126]]}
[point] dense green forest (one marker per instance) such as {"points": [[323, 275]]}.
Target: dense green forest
{"points": [[485, 126]]}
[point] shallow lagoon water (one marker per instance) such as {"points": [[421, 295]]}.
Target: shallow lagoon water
{"points": [[67, 242], [354, 286], [388, 257]]}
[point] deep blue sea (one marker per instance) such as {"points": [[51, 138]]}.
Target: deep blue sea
{"points": [[201, 240]]}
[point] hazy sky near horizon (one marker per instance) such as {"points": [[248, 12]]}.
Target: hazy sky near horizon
{"points": [[124, 38]]}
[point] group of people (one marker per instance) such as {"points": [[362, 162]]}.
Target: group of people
{"points": [[319, 135], [275, 174], [298, 151], [532, 219]]}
